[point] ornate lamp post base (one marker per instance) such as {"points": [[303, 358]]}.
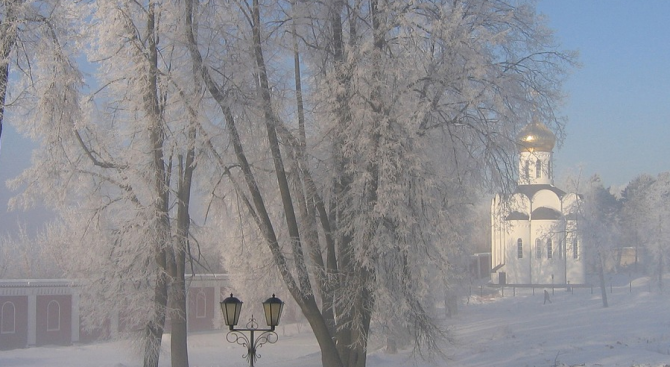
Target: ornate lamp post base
{"points": [[252, 343]]}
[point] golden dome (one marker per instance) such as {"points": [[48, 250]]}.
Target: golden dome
{"points": [[536, 137]]}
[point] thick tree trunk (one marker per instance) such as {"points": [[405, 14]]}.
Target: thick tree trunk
{"points": [[342, 253], [358, 356], [178, 320], [178, 341], [155, 327]]}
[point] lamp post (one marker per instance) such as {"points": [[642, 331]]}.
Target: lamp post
{"points": [[231, 308]]}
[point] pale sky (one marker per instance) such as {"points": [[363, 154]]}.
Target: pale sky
{"points": [[619, 100]]}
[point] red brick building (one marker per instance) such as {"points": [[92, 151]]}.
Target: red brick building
{"points": [[46, 312]]}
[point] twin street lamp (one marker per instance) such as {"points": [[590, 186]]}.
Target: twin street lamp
{"points": [[231, 308]]}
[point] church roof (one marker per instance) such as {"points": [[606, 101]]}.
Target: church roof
{"points": [[536, 137], [531, 190], [544, 213], [515, 215]]}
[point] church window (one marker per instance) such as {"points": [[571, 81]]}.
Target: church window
{"points": [[575, 249], [549, 249], [538, 168], [560, 249], [8, 318], [526, 171], [538, 248], [53, 316], [519, 248]]}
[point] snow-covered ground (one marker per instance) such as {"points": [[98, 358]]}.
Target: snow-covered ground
{"points": [[510, 331]]}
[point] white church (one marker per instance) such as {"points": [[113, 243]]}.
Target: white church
{"points": [[533, 230]]}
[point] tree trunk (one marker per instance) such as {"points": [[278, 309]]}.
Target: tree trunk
{"points": [[7, 41], [178, 341], [660, 267], [178, 319], [156, 326], [177, 312], [358, 357], [601, 278]]}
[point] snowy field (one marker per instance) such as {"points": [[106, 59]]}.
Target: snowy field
{"points": [[514, 330]]}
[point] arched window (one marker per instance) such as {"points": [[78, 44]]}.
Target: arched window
{"points": [[538, 168], [8, 318], [550, 250], [575, 249], [201, 305], [519, 248], [538, 248], [526, 171], [53, 316], [560, 249]]}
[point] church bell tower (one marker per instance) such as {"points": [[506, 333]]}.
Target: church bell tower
{"points": [[536, 143]]}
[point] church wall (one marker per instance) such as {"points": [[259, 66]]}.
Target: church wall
{"points": [[547, 199], [516, 269], [509, 231], [518, 203], [559, 268], [549, 266]]}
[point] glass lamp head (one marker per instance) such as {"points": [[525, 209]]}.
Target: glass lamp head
{"points": [[231, 308], [273, 307]]}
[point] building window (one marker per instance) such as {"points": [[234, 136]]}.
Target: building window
{"points": [[550, 250], [8, 318], [519, 248], [560, 249], [53, 316], [538, 248], [538, 168], [201, 305], [526, 171], [575, 249]]}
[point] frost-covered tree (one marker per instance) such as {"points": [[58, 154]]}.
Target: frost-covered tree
{"points": [[633, 213], [647, 212], [598, 224], [116, 160], [23, 256], [30, 31], [350, 134], [658, 223], [345, 137], [37, 54]]}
